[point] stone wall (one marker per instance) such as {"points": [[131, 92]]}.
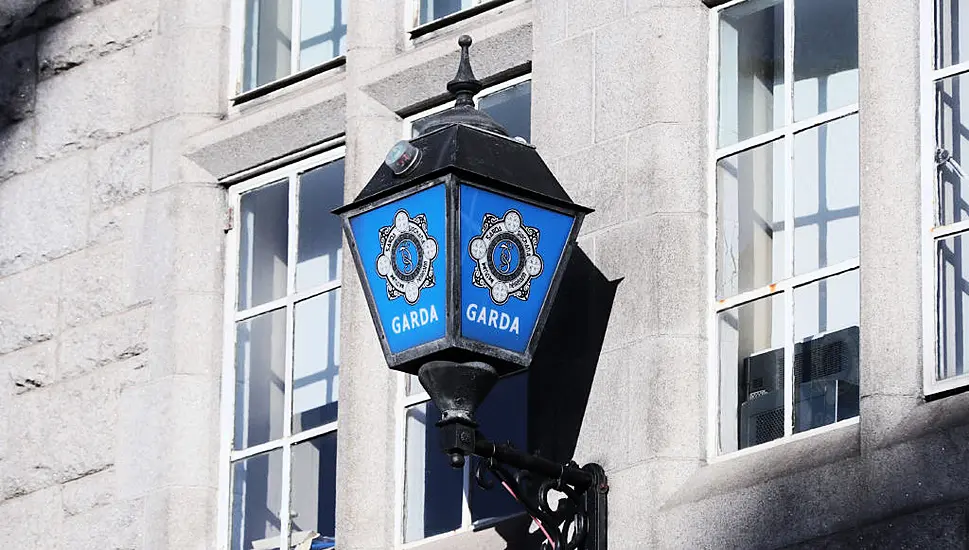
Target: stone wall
{"points": [[110, 274]]}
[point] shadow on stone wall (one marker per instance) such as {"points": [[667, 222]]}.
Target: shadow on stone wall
{"points": [[562, 373]]}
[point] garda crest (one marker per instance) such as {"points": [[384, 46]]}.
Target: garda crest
{"points": [[506, 256], [406, 255]]}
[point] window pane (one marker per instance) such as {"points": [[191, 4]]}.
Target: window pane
{"points": [[267, 41], [503, 417], [433, 490], [260, 367], [952, 304], [313, 500], [951, 18], [412, 386], [826, 195], [825, 56], [263, 244], [750, 220], [751, 373], [512, 108], [257, 495], [436, 9], [826, 351], [316, 361], [323, 31], [751, 70], [319, 256], [952, 135]]}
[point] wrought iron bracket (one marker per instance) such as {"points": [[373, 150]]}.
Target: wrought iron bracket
{"points": [[577, 521]]}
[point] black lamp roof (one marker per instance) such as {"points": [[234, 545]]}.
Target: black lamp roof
{"points": [[478, 156]]}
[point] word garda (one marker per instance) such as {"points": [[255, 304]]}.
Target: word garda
{"points": [[492, 318], [416, 318]]}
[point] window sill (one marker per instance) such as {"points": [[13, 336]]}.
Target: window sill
{"points": [[940, 389], [287, 81], [486, 534], [455, 17]]}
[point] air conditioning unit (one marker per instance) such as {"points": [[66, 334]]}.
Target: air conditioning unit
{"points": [[825, 386]]}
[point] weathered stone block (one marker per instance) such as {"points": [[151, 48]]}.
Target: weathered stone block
{"points": [[31, 521], [89, 347], [595, 177], [666, 169], [16, 148], [563, 93], [119, 525], [180, 517], [124, 222], [604, 437], [95, 33], [186, 334], [168, 142], [28, 307], [939, 529], [120, 170], [18, 62], [29, 368], [550, 22], [93, 285], [43, 215], [584, 15], [651, 68], [88, 492]]}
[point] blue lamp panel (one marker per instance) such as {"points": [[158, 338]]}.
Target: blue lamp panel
{"points": [[510, 251], [402, 246]]}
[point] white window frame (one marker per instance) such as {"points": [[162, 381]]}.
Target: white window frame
{"points": [[227, 455], [412, 11], [404, 401], [237, 56], [932, 232], [790, 282]]}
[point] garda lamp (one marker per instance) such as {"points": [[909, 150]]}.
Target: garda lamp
{"points": [[460, 239]]}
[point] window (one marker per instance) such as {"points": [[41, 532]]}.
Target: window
{"points": [[428, 11], [946, 197], [281, 385], [274, 28], [436, 498], [786, 303]]}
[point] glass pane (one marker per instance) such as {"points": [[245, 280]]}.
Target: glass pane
{"points": [[266, 50], [434, 491], [260, 367], [322, 31], [825, 56], [257, 496], [503, 417], [512, 108], [826, 195], [316, 361], [319, 255], [952, 304], [951, 17], [263, 244], [750, 220], [826, 351], [751, 373], [313, 500], [751, 70], [952, 136], [436, 9]]}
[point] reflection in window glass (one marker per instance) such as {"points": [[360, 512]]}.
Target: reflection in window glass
{"points": [[316, 361], [260, 368], [825, 56], [952, 32], [751, 70], [432, 10], [826, 351], [319, 255], [512, 108], [313, 500], [433, 490], [751, 373], [750, 220], [503, 417], [257, 496], [952, 305], [952, 136], [262, 244], [323, 31], [826, 195], [267, 41]]}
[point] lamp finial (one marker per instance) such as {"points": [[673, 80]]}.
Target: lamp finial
{"points": [[464, 85]]}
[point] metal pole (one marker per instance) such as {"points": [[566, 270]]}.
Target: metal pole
{"points": [[506, 454]]}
